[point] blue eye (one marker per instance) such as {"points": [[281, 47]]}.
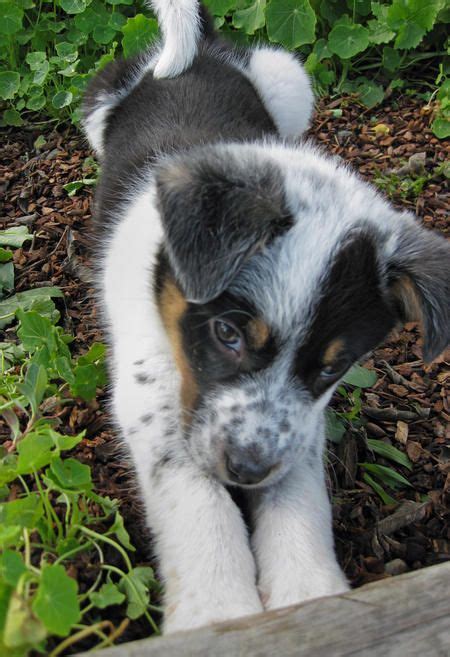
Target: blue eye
{"points": [[227, 335]]}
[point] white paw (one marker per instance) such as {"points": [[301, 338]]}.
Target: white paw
{"points": [[188, 614], [287, 590]]}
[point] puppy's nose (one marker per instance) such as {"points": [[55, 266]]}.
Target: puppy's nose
{"points": [[245, 473]]}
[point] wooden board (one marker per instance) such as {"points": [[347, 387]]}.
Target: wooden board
{"points": [[403, 616]]}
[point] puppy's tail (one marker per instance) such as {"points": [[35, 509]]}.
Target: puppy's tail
{"points": [[184, 23]]}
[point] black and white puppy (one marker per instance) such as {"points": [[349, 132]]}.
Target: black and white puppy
{"points": [[241, 276]]}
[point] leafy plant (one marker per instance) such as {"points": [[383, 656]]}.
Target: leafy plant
{"points": [[50, 513], [48, 51]]}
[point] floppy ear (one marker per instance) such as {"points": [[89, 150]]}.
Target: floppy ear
{"points": [[217, 212], [419, 282]]}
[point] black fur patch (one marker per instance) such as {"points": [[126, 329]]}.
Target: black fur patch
{"points": [[211, 101], [217, 212], [353, 308]]}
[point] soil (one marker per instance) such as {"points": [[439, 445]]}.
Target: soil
{"points": [[408, 407]]}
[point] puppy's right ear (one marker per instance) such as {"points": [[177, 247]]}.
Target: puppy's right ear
{"points": [[217, 211]]}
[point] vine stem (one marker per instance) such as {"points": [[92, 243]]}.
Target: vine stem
{"points": [[99, 537], [82, 634]]}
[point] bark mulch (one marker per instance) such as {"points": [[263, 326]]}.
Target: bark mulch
{"points": [[408, 407]]}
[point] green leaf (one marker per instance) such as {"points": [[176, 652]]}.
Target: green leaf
{"points": [[41, 73], [391, 59], [34, 330], [370, 93], [62, 99], [387, 475], [25, 512], [107, 596], [252, 18], [5, 255], [10, 536], [412, 19], [291, 22], [35, 59], [36, 103], [15, 236], [11, 567], [9, 84], [386, 498], [73, 6], [118, 528], [441, 128], [6, 277], [12, 117], [135, 585], [85, 383], [138, 33], [24, 301], [67, 51], [389, 452], [220, 7], [56, 602], [103, 34], [35, 452], [71, 474], [360, 377], [11, 18], [334, 427], [34, 385], [347, 40]]}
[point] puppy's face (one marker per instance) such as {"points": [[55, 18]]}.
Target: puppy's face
{"points": [[280, 270]]}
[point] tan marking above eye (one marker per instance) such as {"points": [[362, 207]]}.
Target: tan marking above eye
{"points": [[258, 333], [172, 305], [334, 349]]}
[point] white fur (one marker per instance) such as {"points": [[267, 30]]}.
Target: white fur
{"points": [[284, 87], [94, 124], [180, 25], [200, 538]]}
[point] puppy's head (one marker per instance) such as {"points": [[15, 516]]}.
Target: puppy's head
{"points": [[280, 269]]}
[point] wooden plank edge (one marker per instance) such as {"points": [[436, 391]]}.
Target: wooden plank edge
{"points": [[406, 615]]}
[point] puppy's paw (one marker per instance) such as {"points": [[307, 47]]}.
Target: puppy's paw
{"points": [[189, 613], [285, 589]]}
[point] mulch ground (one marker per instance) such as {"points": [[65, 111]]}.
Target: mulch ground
{"points": [[408, 407]]}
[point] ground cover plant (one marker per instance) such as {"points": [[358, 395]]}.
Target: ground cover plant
{"points": [[68, 514]]}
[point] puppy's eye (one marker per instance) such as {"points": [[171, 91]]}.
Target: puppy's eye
{"points": [[228, 335], [334, 371]]}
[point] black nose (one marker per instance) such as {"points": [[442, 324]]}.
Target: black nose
{"points": [[246, 474]]}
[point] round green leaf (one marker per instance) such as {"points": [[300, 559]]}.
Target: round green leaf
{"points": [[138, 33], [9, 84], [103, 34], [291, 22], [36, 103], [35, 59], [347, 40], [73, 6], [220, 7], [62, 99], [441, 128], [56, 602], [12, 117], [360, 377], [11, 18]]}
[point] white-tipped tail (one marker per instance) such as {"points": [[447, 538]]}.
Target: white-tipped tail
{"points": [[179, 21]]}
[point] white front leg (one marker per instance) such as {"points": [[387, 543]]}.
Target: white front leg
{"points": [[293, 540]]}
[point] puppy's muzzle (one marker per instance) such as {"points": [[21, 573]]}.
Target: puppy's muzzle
{"points": [[245, 468]]}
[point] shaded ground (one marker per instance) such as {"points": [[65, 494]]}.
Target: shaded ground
{"points": [[408, 407]]}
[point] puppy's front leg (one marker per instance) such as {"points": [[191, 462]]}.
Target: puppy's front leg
{"points": [[202, 546], [293, 541]]}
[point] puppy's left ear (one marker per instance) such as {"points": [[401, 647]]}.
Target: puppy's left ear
{"points": [[217, 212], [419, 282]]}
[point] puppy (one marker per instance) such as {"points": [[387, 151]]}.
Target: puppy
{"points": [[240, 276]]}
